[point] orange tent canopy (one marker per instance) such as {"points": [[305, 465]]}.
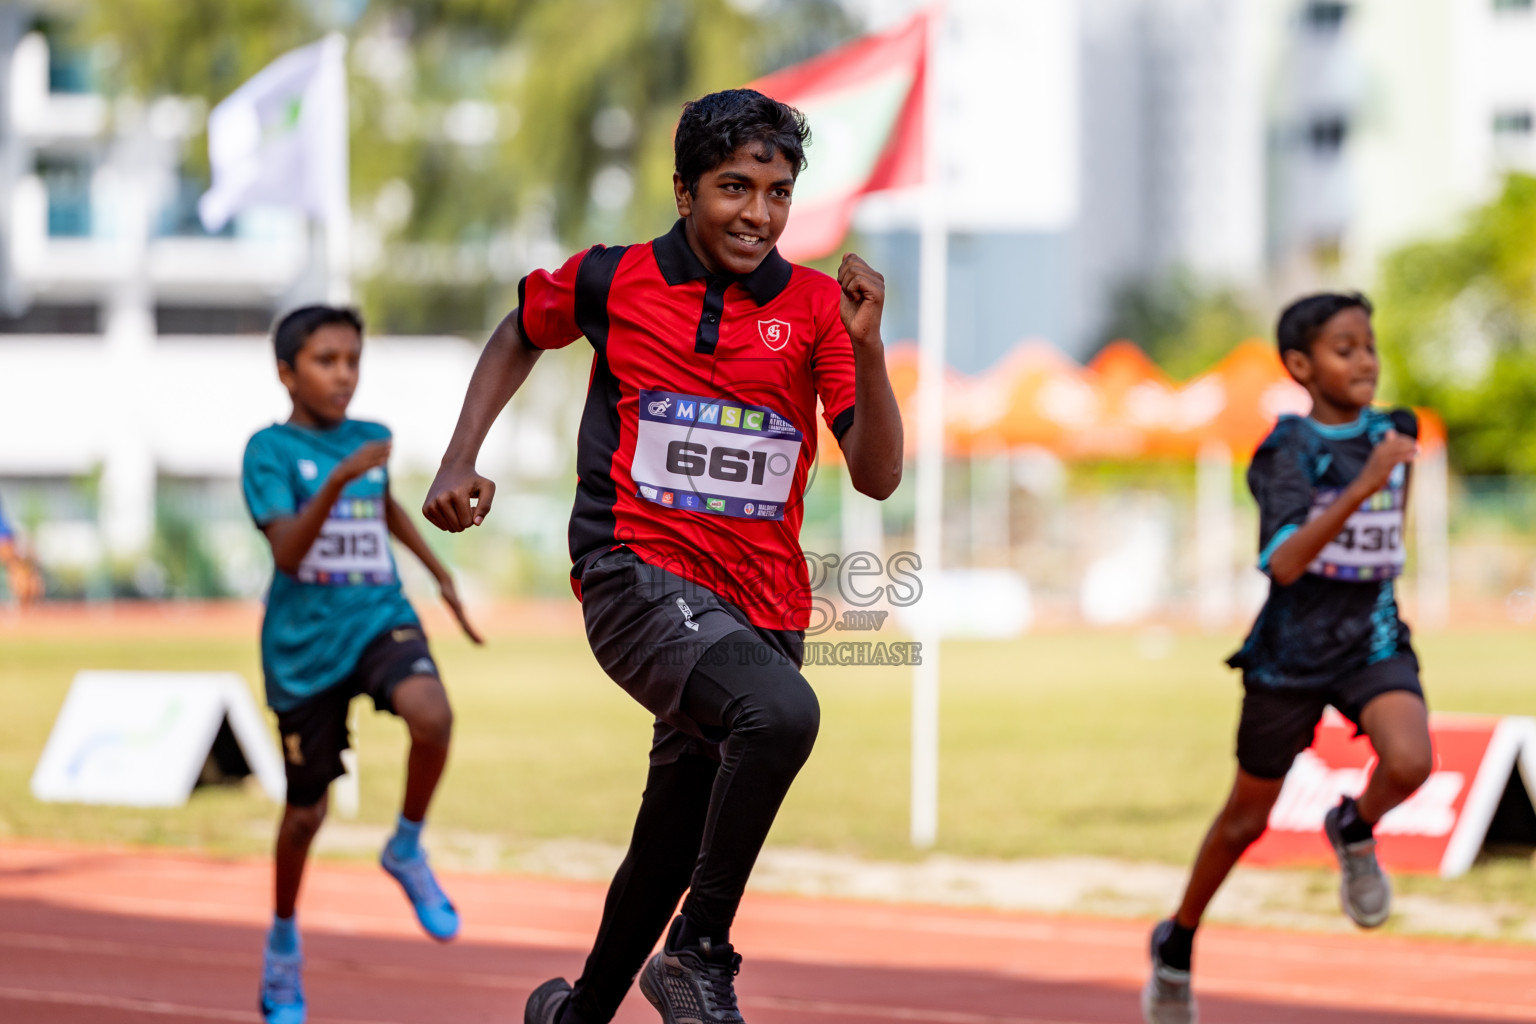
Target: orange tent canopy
{"points": [[1034, 396], [1121, 405], [1138, 401], [1237, 401], [901, 364]]}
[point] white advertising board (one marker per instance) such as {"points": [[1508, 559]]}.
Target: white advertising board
{"points": [[141, 738]]}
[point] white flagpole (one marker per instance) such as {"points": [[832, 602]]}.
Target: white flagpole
{"points": [[1214, 533], [338, 199], [928, 528], [336, 216], [1431, 496]]}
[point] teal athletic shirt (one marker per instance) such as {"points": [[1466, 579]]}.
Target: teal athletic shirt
{"points": [[347, 590]]}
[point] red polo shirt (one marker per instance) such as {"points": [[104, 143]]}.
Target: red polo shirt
{"points": [[699, 429]]}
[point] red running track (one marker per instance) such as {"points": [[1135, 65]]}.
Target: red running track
{"points": [[137, 937]]}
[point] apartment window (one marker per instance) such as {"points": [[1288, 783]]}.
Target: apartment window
{"points": [[178, 217], [52, 319], [1326, 134], [212, 320], [1324, 16], [1326, 250], [1512, 124], [71, 68], [67, 183]]}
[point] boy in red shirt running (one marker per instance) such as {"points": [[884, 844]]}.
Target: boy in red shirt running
{"points": [[698, 433]]}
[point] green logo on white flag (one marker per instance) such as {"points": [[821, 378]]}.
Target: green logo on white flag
{"points": [[281, 138], [281, 119]]}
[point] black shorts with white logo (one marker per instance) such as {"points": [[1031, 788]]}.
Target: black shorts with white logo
{"points": [[315, 732], [649, 628], [1279, 722]]}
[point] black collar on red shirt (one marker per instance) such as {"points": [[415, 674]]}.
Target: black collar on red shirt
{"points": [[679, 265]]}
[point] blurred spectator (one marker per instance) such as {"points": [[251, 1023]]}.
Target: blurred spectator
{"points": [[25, 581]]}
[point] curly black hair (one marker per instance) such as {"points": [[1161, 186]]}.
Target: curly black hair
{"points": [[715, 126]]}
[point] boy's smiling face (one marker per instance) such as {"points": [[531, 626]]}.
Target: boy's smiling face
{"points": [[1341, 369], [323, 375], [740, 210]]}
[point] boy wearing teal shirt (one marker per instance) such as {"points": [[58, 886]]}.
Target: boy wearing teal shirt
{"points": [[337, 625]]}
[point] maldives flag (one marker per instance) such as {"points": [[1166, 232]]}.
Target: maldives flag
{"points": [[864, 102]]}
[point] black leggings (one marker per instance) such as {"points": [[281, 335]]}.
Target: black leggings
{"points": [[702, 824]]}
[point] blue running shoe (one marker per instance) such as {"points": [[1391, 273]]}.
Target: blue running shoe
{"points": [[437, 916], [282, 988]]}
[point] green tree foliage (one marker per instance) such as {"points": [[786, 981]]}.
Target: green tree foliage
{"points": [[604, 83], [1456, 319], [159, 47], [479, 125], [1183, 323]]}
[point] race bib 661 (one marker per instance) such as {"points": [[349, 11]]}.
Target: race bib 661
{"points": [[714, 455]]}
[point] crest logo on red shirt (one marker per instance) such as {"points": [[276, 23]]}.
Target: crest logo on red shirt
{"points": [[775, 333]]}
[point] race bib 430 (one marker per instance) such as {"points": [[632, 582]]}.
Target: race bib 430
{"points": [[1370, 547], [715, 456]]}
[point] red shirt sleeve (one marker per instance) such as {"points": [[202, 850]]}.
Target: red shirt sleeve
{"points": [[832, 364], [546, 305]]}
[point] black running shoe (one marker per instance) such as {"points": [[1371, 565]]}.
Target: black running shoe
{"points": [[1364, 892], [1167, 997], [693, 985], [547, 1002]]}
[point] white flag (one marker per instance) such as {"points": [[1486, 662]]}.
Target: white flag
{"points": [[281, 138]]}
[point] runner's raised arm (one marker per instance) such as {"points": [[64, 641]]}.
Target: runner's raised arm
{"points": [[459, 496]]}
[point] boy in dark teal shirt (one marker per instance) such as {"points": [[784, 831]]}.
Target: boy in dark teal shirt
{"points": [[337, 625], [1332, 488]]}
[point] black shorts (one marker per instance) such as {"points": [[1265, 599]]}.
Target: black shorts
{"points": [[1279, 722], [648, 629], [315, 732]]}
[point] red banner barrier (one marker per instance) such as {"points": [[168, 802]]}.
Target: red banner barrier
{"points": [[1480, 762]]}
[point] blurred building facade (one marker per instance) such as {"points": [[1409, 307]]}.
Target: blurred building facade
{"points": [[134, 348], [1388, 120], [103, 260], [1271, 145], [100, 211]]}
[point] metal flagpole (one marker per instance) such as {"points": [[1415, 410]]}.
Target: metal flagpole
{"points": [[337, 187], [928, 528], [1431, 486], [338, 199], [1214, 533]]}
